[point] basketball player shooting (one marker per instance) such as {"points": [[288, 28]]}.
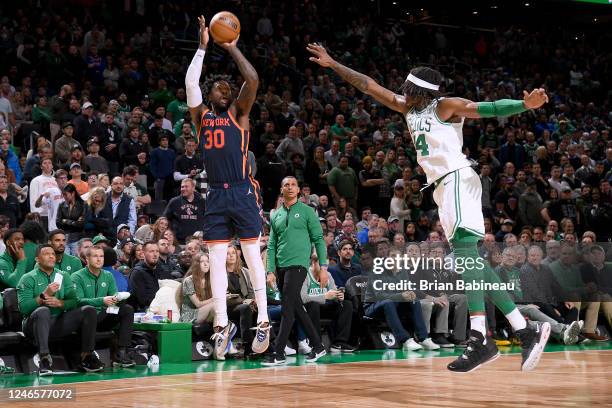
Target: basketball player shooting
{"points": [[435, 124], [233, 200]]}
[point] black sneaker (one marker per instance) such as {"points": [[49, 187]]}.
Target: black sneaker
{"points": [[533, 341], [91, 363], [44, 366], [122, 359], [313, 356], [476, 354], [458, 343], [343, 347], [441, 340], [274, 359]]}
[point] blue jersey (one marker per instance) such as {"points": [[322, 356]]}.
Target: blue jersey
{"points": [[225, 147]]}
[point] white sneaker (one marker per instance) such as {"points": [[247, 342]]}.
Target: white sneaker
{"points": [[290, 351], [428, 344], [411, 345], [303, 347]]}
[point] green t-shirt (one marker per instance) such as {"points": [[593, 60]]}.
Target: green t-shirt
{"points": [[162, 97], [343, 134], [178, 110], [345, 181]]}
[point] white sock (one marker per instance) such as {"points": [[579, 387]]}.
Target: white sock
{"points": [[257, 274], [218, 281], [516, 319], [478, 323]]}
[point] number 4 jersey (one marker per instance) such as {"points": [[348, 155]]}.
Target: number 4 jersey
{"points": [[225, 147], [438, 144]]}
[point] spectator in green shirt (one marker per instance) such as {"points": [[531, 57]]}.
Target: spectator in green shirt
{"points": [[340, 132], [47, 300], [343, 182], [13, 261], [177, 108]]}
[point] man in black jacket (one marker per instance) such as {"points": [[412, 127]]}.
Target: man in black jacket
{"points": [[9, 204], [186, 212], [144, 278], [87, 125], [270, 172], [109, 143]]}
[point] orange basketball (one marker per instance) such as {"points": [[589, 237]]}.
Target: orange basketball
{"points": [[224, 27]]}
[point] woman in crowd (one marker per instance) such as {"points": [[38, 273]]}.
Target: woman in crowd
{"points": [[71, 217], [194, 296], [97, 220], [317, 170], [343, 209], [153, 232]]}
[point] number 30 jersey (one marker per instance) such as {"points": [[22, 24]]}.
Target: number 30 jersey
{"points": [[438, 144], [225, 147]]}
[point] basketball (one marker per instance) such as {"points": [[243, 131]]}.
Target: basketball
{"points": [[224, 27]]}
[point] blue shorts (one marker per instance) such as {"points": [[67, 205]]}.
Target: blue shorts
{"points": [[233, 209]]}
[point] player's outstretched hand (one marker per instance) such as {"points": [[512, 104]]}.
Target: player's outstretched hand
{"points": [[535, 99], [203, 32], [321, 56], [229, 45]]}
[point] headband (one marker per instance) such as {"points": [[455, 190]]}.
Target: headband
{"points": [[422, 83]]}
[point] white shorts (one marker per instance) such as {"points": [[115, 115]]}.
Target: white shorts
{"points": [[458, 197]]}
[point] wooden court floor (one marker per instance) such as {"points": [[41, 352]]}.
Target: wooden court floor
{"points": [[563, 379]]}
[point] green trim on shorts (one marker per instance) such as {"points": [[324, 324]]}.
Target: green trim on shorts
{"points": [[480, 234], [457, 204]]}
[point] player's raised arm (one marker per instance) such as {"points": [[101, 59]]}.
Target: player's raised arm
{"points": [[360, 81], [192, 78], [248, 91], [450, 108]]}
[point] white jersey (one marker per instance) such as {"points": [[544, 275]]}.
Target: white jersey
{"points": [[438, 144]]}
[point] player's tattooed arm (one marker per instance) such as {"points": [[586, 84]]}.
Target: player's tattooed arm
{"points": [[248, 91], [360, 81]]}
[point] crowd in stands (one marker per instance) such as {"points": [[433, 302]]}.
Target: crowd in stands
{"points": [[99, 156]]}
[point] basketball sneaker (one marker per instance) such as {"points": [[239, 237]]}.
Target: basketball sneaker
{"points": [[261, 341], [571, 332], [411, 345], [476, 354], [221, 340], [304, 347], [533, 341], [91, 363], [315, 355], [274, 359], [44, 365]]}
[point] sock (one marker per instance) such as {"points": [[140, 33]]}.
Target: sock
{"points": [[516, 319], [478, 323], [218, 281], [257, 274]]}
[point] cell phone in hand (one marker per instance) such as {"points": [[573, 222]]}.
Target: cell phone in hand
{"points": [[58, 279]]}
